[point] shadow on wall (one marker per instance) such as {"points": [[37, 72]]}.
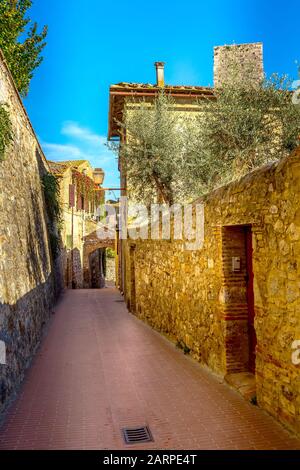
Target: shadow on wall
{"points": [[89, 276], [22, 322], [38, 258], [38, 261], [70, 260], [21, 330], [97, 268], [77, 269], [54, 235]]}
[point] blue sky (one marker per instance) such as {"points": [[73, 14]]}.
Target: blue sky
{"points": [[92, 44]]}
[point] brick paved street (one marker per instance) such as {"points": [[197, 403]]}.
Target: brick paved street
{"points": [[100, 369]]}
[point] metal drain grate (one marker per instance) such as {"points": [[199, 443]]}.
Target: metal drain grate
{"points": [[137, 435]]}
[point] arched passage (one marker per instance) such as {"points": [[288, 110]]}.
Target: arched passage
{"points": [[93, 253]]}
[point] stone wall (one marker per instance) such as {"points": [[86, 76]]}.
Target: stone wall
{"points": [[72, 233], [245, 61], [197, 299], [79, 228], [26, 281], [110, 269], [97, 268]]}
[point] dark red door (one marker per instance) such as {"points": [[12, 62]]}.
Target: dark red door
{"points": [[250, 301]]}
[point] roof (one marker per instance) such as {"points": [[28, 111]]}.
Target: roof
{"points": [[120, 91], [61, 167], [56, 167], [171, 88]]}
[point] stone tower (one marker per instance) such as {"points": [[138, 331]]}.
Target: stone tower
{"points": [[240, 61]]}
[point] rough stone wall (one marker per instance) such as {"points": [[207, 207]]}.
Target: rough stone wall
{"points": [[71, 239], [26, 279], [186, 294], [245, 60], [97, 268], [110, 269], [78, 235]]}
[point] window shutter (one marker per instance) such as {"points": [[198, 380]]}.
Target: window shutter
{"points": [[71, 195], [79, 202]]}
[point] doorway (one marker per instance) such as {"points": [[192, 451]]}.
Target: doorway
{"points": [[97, 268], [238, 298], [250, 298]]}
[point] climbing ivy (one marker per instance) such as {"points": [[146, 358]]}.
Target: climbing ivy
{"points": [[5, 130], [52, 200], [110, 253], [86, 187]]}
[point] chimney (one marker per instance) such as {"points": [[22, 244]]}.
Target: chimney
{"points": [[98, 176], [160, 79]]}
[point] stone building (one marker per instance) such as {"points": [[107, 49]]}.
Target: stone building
{"points": [[83, 254], [243, 60], [124, 97], [233, 304]]}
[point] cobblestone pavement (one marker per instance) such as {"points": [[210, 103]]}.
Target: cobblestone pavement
{"points": [[99, 369]]}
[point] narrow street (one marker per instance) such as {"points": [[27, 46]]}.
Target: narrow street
{"points": [[99, 369]]}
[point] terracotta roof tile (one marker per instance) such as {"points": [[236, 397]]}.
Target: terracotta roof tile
{"points": [[120, 91], [133, 86], [61, 167]]}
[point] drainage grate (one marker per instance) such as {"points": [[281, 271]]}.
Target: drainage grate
{"points": [[137, 435]]}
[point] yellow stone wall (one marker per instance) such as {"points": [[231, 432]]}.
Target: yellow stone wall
{"points": [[84, 225], [184, 294], [76, 218]]}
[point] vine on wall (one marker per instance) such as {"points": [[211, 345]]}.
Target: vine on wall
{"points": [[6, 135], [86, 187], [52, 199]]}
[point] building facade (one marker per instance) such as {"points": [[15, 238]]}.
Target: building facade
{"points": [[81, 196], [125, 98]]}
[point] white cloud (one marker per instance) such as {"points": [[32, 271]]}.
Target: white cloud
{"points": [[74, 130], [61, 152], [84, 144]]}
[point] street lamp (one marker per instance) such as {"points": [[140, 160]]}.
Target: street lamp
{"points": [[98, 176]]}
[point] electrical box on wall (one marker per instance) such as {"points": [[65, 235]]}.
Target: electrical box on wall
{"points": [[236, 263]]}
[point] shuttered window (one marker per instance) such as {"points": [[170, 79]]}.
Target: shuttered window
{"points": [[71, 195], [79, 202]]}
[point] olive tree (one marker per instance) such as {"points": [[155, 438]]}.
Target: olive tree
{"points": [[178, 156], [245, 127], [156, 153]]}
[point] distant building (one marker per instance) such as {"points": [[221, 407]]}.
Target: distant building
{"points": [[83, 254]]}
